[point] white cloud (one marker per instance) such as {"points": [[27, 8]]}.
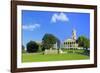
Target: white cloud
{"points": [[59, 17], [31, 27]]}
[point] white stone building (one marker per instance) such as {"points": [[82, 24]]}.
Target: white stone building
{"points": [[71, 42]]}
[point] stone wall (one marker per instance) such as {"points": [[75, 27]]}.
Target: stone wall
{"points": [[54, 51]]}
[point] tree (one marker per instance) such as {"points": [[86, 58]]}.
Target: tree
{"points": [[23, 49], [84, 42], [32, 46], [48, 41], [87, 44], [81, 41]]}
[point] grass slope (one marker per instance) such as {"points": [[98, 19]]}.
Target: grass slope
{"points": [[31, 57]]}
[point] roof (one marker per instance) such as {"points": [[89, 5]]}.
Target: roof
{"points": [[69, 40]]}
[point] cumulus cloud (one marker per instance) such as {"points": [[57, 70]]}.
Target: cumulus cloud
{"points": [[59, 17], [31, 27]]}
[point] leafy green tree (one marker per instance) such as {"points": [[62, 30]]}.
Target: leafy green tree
{"points": [[48, 41], [87, 44], [23, 49], [32, 46], [84, 42], [81, 41]]}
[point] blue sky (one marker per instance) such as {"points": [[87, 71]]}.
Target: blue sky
{"points": [[36, 23]]}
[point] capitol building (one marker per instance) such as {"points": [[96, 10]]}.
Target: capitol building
{"points": [[71, 42]]}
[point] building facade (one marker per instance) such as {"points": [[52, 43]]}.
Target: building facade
{"points": [[71, 42]]}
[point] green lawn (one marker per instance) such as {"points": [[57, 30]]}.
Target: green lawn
{"points": [[31, 57]]}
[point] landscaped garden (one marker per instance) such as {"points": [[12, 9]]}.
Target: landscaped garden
{"points": [[45, 51]]}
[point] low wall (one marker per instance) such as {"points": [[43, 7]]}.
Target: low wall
{"points": [[54, 51]]}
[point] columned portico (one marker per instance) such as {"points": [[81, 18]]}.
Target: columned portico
{"points": [[71, 43]]}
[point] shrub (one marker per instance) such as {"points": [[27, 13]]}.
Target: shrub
{"points": [[32, 46]]}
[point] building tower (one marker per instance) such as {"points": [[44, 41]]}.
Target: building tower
{"points": [[74, 34]]}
